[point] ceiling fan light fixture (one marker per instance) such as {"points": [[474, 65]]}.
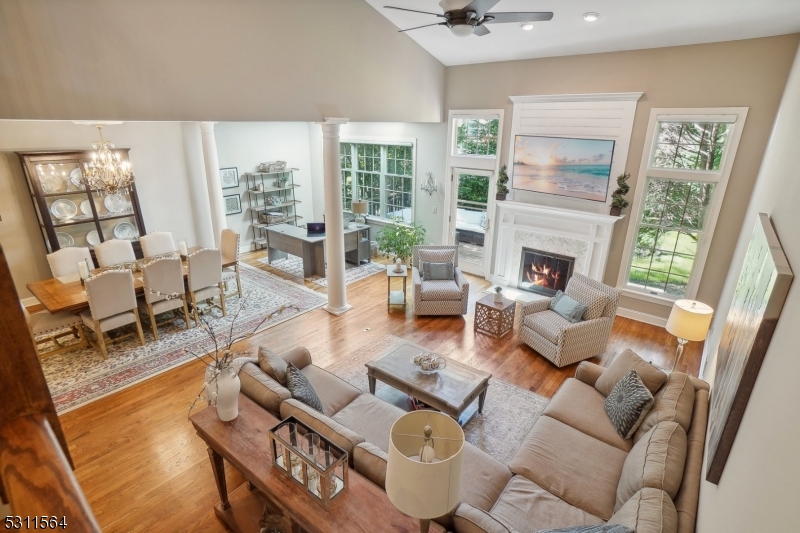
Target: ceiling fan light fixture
{"points": [[527, 26], [591, 16], [462, 30]]}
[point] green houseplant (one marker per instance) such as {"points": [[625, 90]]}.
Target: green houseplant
{"points": [[398, 239], [618, 201], [502, 180]]}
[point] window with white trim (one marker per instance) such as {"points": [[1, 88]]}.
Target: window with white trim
{"points": [[475, 136], [688, 164], [381, 174]]}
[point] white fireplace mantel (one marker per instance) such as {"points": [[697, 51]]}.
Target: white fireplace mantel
{"points": [[584, 236]]}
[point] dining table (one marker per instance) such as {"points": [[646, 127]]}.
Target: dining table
{"points": [[67, 293]]}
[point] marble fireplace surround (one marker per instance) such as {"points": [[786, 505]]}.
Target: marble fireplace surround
{"points": [[584, 236]]}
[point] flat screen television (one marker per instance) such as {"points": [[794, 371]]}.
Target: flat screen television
{"points": [[577, 168]]}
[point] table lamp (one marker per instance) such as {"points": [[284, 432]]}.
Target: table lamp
{"points": [[360, 209], [689, 321], [423, 472]]}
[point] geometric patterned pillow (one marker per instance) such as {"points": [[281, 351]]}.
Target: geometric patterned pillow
{"points": [[301, 388], [628, 404], [602, 528], [595, 300]]}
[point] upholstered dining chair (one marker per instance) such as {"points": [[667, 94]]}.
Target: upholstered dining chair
{"points": [[438, 297], [65, 261], [112, 304], [205, 279], [163, 291], [46, 328], [114, 252], [157, 243], [563, 342], [229, 247]]}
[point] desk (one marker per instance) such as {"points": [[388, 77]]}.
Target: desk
{"points": [[58, 296], [288, 239]]}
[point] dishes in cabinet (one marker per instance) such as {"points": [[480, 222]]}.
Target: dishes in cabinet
{"points": [[115, 203], [51, 184], [93, 238], [75, 177], [86, 208], [64, 209], [65, 240], [125, 231]]}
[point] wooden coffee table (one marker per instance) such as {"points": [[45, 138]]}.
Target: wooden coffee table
{"points": [[451, 390], [243, 442]]}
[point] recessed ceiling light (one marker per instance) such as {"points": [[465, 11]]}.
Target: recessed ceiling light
{"points": [[591, 16], [527, 26]]}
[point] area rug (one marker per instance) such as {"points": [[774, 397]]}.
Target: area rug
{"points": [[508, 414], [293, 266], [81, 376]]}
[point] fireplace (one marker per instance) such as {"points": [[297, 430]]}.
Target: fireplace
{"points": [[544, 272]]}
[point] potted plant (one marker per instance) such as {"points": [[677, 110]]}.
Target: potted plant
{"points": [[498, 294], [398, 239], [502, 180], [618, 201]]}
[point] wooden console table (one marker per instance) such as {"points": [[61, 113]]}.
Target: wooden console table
{"points": [[243, 442]]}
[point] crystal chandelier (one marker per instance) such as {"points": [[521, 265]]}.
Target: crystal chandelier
{"points": [[106, 171]]}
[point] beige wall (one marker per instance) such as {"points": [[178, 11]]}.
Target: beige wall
{"points": [[211, 60], [759, 488], [749, 73]]}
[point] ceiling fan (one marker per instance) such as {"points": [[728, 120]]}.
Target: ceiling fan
{"points": [[472, 18]]}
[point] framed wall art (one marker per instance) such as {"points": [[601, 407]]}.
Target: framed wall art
{"points": [[229, 177], [233, 204]]}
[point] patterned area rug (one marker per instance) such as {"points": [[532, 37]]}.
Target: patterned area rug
{"points": [[293, 266], [508, 414], [78, 377]]}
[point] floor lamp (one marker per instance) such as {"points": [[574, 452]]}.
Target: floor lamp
{"points": [[689, 321]]}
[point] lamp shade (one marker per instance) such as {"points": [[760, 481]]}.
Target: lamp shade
{"points": [[425, 490], [359, 207], [689, 320]]}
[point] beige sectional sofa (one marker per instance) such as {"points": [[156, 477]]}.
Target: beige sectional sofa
{"points": [[571, 469]]}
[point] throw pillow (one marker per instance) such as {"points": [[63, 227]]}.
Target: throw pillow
{"points": [[623, 363], [301, 388], [628, 404], [567, 307], [602, 528], [434, 271], [589, 296], [272, 365]]}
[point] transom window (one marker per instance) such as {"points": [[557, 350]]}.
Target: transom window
{"points": [[381, 174], [476, 136]]}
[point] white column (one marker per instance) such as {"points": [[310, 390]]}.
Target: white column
{"points": [[211, 160], [198, 186], [334, 220]]}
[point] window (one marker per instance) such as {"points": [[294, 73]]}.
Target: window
{"points": [[381, 174], [685, 172], [476, 136]]}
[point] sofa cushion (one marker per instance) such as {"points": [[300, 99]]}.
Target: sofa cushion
{"points": [[469, 519], [262, 389], [483, 478], [333, 392], [674, 402], [440, 290], [341, 436], [580, 406], [656, 461], [594, 299], [548, 324], [525, 506], [601, 528], [370, 417], [648, 511], [370, 462], [568, 307], [623, 363], [301, 388], [628, 404], [577, 468], [272, 364]]}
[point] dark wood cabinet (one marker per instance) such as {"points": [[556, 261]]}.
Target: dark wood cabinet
{"points": [[70, 214]]}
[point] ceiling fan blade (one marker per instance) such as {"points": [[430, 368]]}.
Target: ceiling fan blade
{"points": [[413, 11], [480, 7], [497, 18], [481, 30], [425, 26]]}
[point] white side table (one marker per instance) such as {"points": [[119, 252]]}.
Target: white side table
{"points": [[396, 297]]}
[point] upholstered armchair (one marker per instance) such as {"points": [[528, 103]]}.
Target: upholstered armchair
{"points": [[564, 342], [438, 297]]}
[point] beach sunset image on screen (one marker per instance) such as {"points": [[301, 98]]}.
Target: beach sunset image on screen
{"points": [[578, 168]]}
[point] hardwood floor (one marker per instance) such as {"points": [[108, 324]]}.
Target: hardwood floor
{"points": [[142, 468]]}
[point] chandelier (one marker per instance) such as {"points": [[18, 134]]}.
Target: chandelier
{"points": [[106, 171]]}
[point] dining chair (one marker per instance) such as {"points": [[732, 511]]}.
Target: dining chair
{"points": [[65, 261], [163, 291], [112, 304], [114, 252], [205, 279], [51, 328], [157, 243], [229, 247]]}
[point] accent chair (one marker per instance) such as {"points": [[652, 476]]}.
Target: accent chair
{"points": [[438, 297], [205, 279], [52, 328], [163, 291]]}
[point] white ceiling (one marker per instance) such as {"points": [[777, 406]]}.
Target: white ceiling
{"points": [[623, 25]]}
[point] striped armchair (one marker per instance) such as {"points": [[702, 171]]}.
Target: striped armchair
{"points": [[439, 297], [563, 342]]}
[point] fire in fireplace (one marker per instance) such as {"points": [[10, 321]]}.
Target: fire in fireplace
{"points": [[544, 272]]}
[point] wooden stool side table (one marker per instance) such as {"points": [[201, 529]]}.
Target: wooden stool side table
{"points": [[494, 319]]}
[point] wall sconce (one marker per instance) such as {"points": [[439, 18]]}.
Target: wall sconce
{"points": [[429, 184]]}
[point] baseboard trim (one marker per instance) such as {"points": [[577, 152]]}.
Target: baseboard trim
{"points": [[30, 301], [647, 318]]}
